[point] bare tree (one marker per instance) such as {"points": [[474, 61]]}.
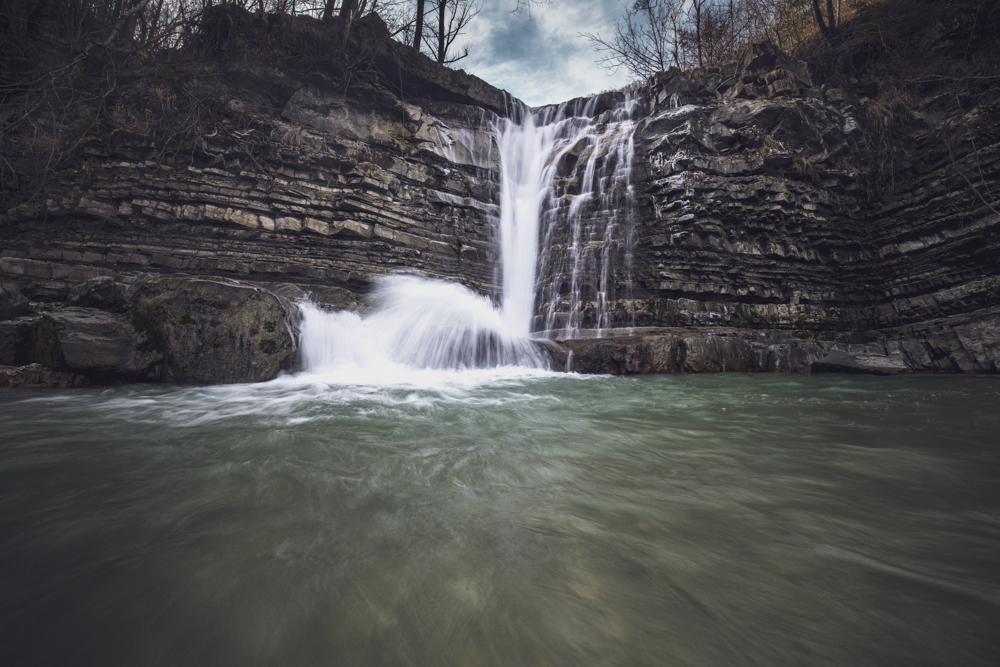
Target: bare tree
{"points": [[652, 35], [527, 5], [647, 39], [328, 9], [419, 32], [829, 26], [453, 16]]}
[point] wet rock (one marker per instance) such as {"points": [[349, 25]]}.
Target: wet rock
{"points": [[843, 362], [716, 354], [632, 355], [729, 350], [95, 342], [212, 331], [15, 340], [35, 376]]}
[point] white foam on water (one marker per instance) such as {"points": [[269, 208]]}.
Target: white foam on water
{"points": [[422, 333]]}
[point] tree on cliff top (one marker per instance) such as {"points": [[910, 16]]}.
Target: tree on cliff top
{"points": [[453, 16], [655, 34], [646, 40]]}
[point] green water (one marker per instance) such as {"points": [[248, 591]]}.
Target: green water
{"points": [[504, 519]]}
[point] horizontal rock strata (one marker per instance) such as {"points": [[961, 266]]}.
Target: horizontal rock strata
{"points": [[759, 228], [700, 350]]}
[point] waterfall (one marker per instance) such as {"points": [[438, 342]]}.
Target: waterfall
{"points": [[567, 217], [565, 237], [416, 323]]}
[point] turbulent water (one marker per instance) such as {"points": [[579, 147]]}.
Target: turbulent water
{"points": [[416, 324], [503, 517]]}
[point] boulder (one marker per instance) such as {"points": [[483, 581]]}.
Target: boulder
{"points": [[92, 341], [103, 292], [715, 354], [212, 331], [629, 355], [844, 362]]}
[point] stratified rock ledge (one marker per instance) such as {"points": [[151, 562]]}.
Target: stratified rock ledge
{"points": [[721, 350]]}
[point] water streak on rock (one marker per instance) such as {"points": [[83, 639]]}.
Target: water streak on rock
{"points": [[566, 215]]}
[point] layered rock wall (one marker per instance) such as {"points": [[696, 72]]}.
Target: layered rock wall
{"points": [[349, 185], [756, 219]]}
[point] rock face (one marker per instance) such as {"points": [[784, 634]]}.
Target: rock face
{"points": [[210, 331], [732, 350], [348, 186], [171, 328], [761, 240], [35, 376], [96, 342], [12, 304], [756, 213]]}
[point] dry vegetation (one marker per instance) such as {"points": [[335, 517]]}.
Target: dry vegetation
{"points": [[78, 77]]}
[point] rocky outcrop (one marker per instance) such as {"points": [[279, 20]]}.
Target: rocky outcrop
{"points": [[15, 340], [210, 331], [760, 236], [758, 208], [720, 350], [12, 304], [150, 328], [296, 183], [36, 376], [96, 343]]}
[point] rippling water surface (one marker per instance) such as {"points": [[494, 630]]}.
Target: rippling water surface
{"points": [[504, 518]]}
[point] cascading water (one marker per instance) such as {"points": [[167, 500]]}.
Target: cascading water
{"points": [[565, 237], [566, 224], [418, 323]]}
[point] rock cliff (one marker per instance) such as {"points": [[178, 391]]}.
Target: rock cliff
{"points": [[300, 180], [762, 239]]}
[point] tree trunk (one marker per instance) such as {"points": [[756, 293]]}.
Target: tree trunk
{"points": [[442, 6], [418, 35], [831, 18], [328, 9], [347, 9], [818, 14], [697, 29]]}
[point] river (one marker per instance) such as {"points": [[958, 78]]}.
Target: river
{"points": [[503, 517]]}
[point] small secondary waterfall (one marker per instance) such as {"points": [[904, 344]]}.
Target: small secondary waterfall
{"points": [[565, 236]]}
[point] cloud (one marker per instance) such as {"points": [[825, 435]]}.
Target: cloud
{"points": [[541, 58]]}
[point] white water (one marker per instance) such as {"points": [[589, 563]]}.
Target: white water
{"points": [[420, 324], [588, 232], [417, 324], [566, 181]]}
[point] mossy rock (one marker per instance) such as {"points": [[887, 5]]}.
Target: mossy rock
{"points": [[212, 331]]}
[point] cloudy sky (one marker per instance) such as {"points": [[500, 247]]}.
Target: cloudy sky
{"points": [[541, 58]]}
